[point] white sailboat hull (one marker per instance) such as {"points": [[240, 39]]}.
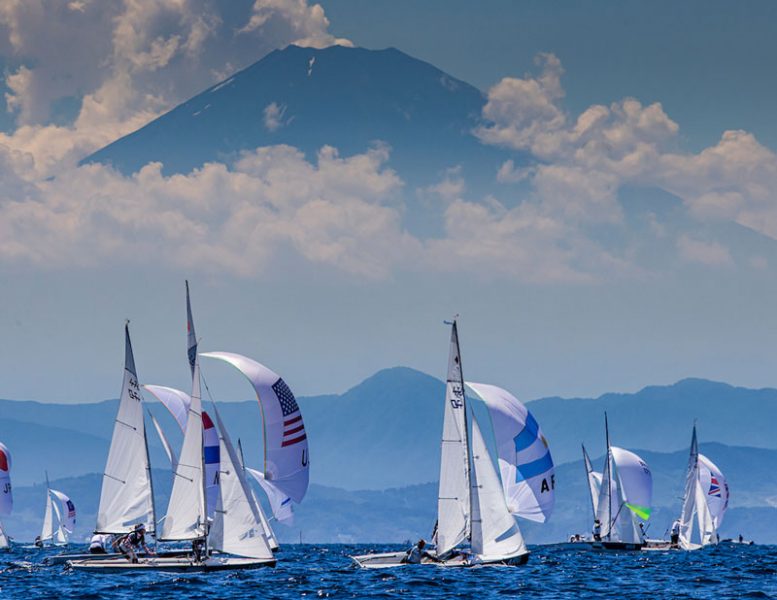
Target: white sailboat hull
{"points": [[389, 560], [170, 564]]}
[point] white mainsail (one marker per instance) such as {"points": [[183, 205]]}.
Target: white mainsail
{"points": [[186, 512], [287, 459], [525, 463], [495, 534], [594, 481], [237, 525], [705, 490], [453, 500], [126, 497], [53, 523]]}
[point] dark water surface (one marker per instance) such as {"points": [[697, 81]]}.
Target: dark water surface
{"points": [[311, 571]]}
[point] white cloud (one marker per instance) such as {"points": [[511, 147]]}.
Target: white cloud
{"points": [[274, 116], [707, 253], [337, 212]]}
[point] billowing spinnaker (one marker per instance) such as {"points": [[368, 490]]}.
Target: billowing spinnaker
{"points": [[186, 512], [287, 457], [175, 401], [67, 511], [6, 495], [636, 482], [237, 524], [715, 488], [280, 503], [525, 463], [453, 499], [495, 533], [126, 497]]}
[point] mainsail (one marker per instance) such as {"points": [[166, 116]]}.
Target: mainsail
{"points": [[287, 460], [495, 535], [453, 500], [126, 497], [705, 498], [594, 479], [186, 512], [238, 525], [525, 463]]}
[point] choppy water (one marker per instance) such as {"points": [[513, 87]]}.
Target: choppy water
{"points": [[310, 571]]}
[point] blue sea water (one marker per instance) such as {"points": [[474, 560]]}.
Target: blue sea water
{"points": [[312, 571]]}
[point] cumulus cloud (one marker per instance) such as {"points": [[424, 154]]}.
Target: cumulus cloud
{"points": [[580, 164], [234, 219], [140, 57], [707, 253]]}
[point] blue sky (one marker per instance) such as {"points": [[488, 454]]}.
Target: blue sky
{"points": [[643, 255]]}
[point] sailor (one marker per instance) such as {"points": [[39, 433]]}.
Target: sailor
{"points": [[416, 553], [642, 531], [39, 542], [597, 531], [741, 539], [133, 540], [198, 549], [674, 536], [99, 543]]}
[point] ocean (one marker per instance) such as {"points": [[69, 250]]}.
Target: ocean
{"points": [[325, 571]]}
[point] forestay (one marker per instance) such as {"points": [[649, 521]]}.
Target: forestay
{"points": [[185, 518], [495, 535], [525, 463], [453, 500], [126, 497], [237, 525], [287, 460]]}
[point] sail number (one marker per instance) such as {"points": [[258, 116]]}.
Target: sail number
{"points": [[7, 488], [133, 391], [457, 396]]}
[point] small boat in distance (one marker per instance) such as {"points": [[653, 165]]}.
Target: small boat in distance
{"points": [[6, 495], [624, 496], [59, 518], [705, 498], [474, 525]]}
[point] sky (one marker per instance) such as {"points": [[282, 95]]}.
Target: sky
{"points": [[637, 248]]}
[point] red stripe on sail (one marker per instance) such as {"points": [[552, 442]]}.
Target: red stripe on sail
{"points": [[295, 430], [294, 441], [292, 420]]}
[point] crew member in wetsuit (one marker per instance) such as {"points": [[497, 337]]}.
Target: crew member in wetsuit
{"points": [[133, 540], [417, 553], [198, 549], [597, 531], [674, 536], [99, 543]]}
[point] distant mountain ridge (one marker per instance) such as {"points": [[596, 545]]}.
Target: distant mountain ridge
{"points": [[385, 431]]}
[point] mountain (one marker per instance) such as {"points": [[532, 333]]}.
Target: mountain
{"points": [[385, 431], [348, 98]]}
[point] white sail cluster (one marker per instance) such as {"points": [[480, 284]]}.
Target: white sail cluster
{"points": [[59, 518]]}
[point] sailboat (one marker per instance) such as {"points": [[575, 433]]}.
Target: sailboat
{"points": [[59, 519], [474, 524], [625, 494], [705, 498], [6, 495], [236, 528]]}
